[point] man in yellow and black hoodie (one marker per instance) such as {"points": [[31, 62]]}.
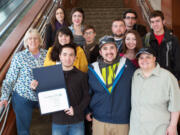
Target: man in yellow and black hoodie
{"points": [[110, 88]]}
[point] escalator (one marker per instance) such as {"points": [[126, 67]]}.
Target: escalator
{"points": [[22, 14]]}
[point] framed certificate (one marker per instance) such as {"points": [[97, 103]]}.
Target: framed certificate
{"points": [[51, 89], [53, 100]]}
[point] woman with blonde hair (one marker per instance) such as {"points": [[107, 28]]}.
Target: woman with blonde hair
{"points": [[19, 77]]}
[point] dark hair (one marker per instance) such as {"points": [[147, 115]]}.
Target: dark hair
{"points": [[118, 19], [77, 9], [73, 46], [87, 27], [53, 19], [56, 47], [156, 13], [130, 11], [138, 41]]}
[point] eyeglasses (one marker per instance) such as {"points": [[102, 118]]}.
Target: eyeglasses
{"points": [[88, 33], [129, 17]]}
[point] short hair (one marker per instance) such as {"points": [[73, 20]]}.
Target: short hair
{"points": [[130, 11], [27, 35], [87, 27], [77, 9], [138, 41], [118, 19], [56, 47], [72, 46], [156, 13]]}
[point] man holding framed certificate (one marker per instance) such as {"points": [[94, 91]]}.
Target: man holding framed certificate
{"points": [[71, 120]]}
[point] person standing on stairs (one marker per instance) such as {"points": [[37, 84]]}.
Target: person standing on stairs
{"points": [[164, 43], [57, 21], [130, 18], [155, 98], [118, 30], [110, 88], [19, 77], [131, 44], [77, 17], [91, 48], [65, 36], [71, 121]]}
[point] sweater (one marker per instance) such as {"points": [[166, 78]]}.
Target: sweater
{"points": [[80, 61], [78, 96]]}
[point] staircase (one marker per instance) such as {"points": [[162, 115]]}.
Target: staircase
{"points": [[100, 14]]}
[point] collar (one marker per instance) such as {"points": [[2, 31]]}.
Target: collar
{"points": [[155, 72]]}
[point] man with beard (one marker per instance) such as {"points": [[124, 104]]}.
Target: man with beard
{"points": [[110, 88], [118, 31]]}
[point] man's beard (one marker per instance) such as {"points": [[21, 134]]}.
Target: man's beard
{"points": [[118, 35]]}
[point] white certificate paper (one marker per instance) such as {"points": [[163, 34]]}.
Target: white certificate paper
{"points": [[53, 100]]}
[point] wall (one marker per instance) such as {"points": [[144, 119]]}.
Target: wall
{"points": [[176, 18], [134, 5], [171, 11], [156, 4], [167, 10]]}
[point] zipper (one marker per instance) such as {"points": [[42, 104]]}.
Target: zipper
{"points": [[167, 53]]}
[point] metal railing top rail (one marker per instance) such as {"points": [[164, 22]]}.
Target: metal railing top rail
{"points": [[41, 28], [146, 10]]}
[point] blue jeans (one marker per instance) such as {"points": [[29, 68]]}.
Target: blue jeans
{"points": [[69, 129], [23, 110]]}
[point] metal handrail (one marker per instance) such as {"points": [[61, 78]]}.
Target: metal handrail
{"points": [[41, 28], [5, 113], [146, 10]]}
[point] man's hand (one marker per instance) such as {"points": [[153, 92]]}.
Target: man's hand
{"points": [[69, 111], [171, 130]]}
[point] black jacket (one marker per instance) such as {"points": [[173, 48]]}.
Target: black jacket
{"points": [[49, 36], [141, 29], [168, 53]]}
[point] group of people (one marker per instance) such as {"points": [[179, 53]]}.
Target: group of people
{"points": [[125, 84]]}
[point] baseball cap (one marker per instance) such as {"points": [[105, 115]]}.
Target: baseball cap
{"points": [[146, 50], [106, 39]]}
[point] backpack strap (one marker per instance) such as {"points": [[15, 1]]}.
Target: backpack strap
{"points": [[147, 39]]}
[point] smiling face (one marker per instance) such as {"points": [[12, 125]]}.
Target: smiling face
{"points": [[130, 41], [118, 28], [157, 24], [60, 15], [33, 41], [63, 38], [147, 61], [109, 52], [67, 57], [77, 18]]}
